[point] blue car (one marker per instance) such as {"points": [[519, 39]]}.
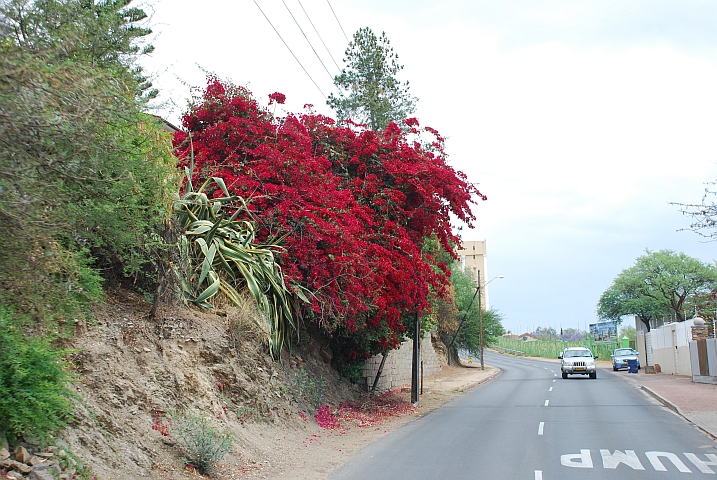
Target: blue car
{"points": [[620, 357]]}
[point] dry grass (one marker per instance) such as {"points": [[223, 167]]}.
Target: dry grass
{"points": [[244, 322]]}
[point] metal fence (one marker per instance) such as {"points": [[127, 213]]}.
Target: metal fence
{"points": [[551, 349]]}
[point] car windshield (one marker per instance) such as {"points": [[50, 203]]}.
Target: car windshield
{"points": [[577, 353], [623, 352]]}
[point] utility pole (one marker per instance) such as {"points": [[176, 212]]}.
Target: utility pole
{"points": [[480, 323], [415, 365]]}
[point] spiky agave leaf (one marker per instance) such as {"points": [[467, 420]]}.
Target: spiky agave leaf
{"points": [[220, 254]]}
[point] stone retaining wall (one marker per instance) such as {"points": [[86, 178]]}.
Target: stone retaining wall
{"points": [[397, 369]]}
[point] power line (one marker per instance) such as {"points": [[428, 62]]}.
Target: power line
{"points": [[287, 46], [319, 35], [337, 20], [307, 40]]}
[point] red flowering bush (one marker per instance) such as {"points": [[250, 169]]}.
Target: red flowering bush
{"points": [[355, 205]]}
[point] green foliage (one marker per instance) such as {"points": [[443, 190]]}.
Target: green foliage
{"points": [[658, 284], [629, 332], [104, 34], [368, 89], [87, 179], [33, 383], [442, 318], [468, 337], [221, 254], [202, 443], [310, 389], [353, 371]]}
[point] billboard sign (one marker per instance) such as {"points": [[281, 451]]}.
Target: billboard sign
{"points": [[603, 331]]}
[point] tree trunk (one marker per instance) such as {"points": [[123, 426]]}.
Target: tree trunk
{"points": [[451, 353], [167, 258]]}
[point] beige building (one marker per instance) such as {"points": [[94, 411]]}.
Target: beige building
{"points": [[473, 259]]}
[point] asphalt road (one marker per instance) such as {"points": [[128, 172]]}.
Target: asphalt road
{"points": [[531, 424]]}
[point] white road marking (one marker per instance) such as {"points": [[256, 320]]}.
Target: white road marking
{"points": [[612, 460], [628, 457], [545, 368], [703, 465], [551, 389], [538, 475], [553, 371], [540, 428], [554, 379], [654, 458], [547, 402], [581, 460], [555, 375]]}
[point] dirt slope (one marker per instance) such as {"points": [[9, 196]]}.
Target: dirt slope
{"points": [[135, 374]]}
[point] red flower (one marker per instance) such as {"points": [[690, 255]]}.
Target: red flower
{"points": [[277, 97], [356, 206]]}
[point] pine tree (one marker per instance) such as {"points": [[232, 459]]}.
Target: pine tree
{"points": [[107, 34], [368, 89]]}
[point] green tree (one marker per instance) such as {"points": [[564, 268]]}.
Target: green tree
{"points": [[106, 34], [658, 284], [468, 332], [368, 89], [86, 178], [629, 332]]}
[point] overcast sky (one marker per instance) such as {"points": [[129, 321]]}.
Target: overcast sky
{"points": [[580, 121]]}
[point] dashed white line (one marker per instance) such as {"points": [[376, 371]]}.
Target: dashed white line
{"points": [[540, 428], [551, 389], [545, 368], [547, 402], [554, 379], [538, 475], [555, 375]]}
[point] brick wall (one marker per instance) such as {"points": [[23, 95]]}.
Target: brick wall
{"points": [[397, 369]]}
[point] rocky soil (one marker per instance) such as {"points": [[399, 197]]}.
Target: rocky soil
{"points": [[135, 376]]}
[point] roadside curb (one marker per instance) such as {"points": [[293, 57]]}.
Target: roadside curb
{"points": [[663, 401], [656, 396], [480, 382], [671, 406]]}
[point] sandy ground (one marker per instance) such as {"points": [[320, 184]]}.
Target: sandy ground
{"points": [[314, 453]]}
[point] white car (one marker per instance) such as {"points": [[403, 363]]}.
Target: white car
{"points": [[578, 361]]}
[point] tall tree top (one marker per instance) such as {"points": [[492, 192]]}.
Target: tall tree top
{"points": [[368, 91], [109, 34]]}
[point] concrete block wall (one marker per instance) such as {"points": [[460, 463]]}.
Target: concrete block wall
{"points": [[670, 347], [397, 369]]}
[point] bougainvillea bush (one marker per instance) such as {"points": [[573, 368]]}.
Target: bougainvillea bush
{"points": [[356, 205]]}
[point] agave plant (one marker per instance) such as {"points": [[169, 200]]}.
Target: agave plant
{"points": [[220, 254]]}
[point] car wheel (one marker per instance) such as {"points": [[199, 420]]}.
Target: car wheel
{"points": [[593, 375], [614, 368], [565, 375]]}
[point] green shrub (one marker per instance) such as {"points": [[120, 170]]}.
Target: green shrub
{"points": [[310, 389], [201, 442], [353, 371], [33, 383], [220, 253]]}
